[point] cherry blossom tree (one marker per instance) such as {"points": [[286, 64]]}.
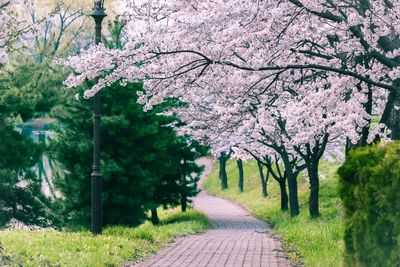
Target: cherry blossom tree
{"points": [[264, 36], [289, 40], [13, 26], [296, 76], [295, 124], [7, 25]]}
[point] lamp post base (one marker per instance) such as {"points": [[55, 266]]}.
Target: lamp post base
{"points": [[96, 185]]}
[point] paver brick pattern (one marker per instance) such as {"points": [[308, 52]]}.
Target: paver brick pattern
{"points": [[237, 239]]}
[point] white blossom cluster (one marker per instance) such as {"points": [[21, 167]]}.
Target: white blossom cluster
{"points": [[12, 25], [259, 76]]}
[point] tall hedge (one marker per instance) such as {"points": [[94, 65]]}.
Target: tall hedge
{"points": [[370, 190]]}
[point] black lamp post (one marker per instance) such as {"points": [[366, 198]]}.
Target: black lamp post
{"points": [[96, 180]]}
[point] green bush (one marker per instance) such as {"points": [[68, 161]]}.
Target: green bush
{"points": [[369, 188]]}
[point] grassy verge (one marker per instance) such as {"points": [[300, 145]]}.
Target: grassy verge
{"points": [[315, 242], [115, 246]]}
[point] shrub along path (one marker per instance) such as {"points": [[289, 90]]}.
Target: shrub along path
{"points": [[237, 239]]}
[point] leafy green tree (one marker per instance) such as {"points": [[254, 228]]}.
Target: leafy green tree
{"points": [[178, 183], [20, 190], [129, 146], [189, 152], [140, 158], [30, 87]]}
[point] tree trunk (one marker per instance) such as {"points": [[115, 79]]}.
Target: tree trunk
{"points": [[348, 147], [222, 171], [292, 185], [366, 129], [284, 195], [241, 175], [263, 182], [312, 170], [183, 190], [154, 216], [394, 119], [391, 115], [183, 202], [293, 198]]}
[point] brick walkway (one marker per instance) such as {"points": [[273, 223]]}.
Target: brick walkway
{"points": [[237, 239]]}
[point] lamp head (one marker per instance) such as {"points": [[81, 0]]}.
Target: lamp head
{"points": [[98, 10], [98, 4]]}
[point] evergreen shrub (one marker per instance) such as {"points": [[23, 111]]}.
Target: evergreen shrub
{"points": [[370, 188]]}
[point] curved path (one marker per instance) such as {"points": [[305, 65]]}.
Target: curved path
{"points": [[237, 239]]}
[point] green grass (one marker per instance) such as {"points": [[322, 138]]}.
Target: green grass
{"points": [[314, 242], [115, 246]]}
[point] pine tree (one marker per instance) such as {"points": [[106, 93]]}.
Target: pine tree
{"points": [[179, 184], [140, 157]]}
